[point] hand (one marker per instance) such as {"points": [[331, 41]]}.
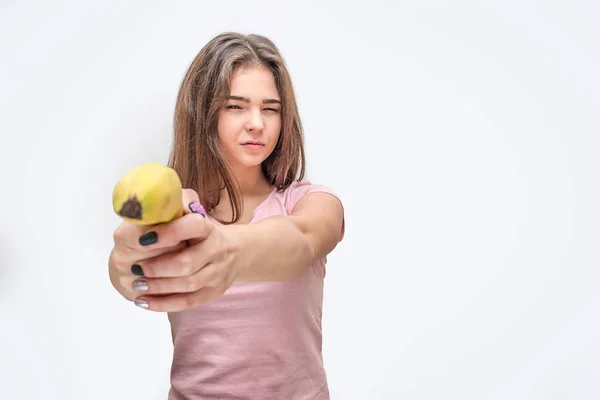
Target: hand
{"points": [[123, 264], [175, 277]]}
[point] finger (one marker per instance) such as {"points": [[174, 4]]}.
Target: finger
{"points": [[122, 236], [212, 275], [192, 226], [123, 274], [191, 202], [184, 262], [127, 261], [179, 301]]}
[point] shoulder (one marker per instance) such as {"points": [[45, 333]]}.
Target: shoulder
{"points": [[299, 189], [283, 202]]}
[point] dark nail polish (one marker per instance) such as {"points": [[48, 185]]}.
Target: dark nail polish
{"points": [[148, 238], [197, 208], [137, 270]]}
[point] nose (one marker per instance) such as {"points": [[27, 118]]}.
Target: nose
{"points": [[255, 122]]}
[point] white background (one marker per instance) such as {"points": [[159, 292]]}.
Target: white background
{"points": [[462, 137]]}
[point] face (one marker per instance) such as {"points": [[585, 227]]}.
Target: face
{"points": [[250, 122]]}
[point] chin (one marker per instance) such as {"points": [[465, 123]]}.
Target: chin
{"points": [[250, 162], [248, 159]]}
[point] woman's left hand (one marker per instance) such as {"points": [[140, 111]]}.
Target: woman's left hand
{"points": [[196, 274]]}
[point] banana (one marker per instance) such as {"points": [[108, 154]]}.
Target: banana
{"points": [[148, 194]]}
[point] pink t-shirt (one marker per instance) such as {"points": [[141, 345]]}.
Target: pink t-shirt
{"points": [[259, 340]]}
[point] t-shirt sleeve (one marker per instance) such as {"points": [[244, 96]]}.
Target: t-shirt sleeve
{"points": [[299, 189]]}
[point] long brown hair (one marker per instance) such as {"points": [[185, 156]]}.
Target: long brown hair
{"points": [[196, 154]]}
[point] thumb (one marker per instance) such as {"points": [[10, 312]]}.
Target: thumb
{"points": [[191, 202], [191, 205]]}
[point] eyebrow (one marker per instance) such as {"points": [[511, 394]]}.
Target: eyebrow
{"points": [[247, 100]]}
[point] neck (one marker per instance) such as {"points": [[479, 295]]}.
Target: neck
{"points": [[251, 180]]}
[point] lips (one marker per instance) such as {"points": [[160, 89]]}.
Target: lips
{"points": [[253, 145]]}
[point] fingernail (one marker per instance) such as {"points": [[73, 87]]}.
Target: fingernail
{"points": [[148, 238], [197, 208], [141, 303], [136, 269], [140, 285]]}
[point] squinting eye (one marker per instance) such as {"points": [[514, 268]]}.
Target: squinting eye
{"points": [[272, 109], [234, 107]]}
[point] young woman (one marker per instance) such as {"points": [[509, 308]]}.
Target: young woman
{"points": [[241, 273]]}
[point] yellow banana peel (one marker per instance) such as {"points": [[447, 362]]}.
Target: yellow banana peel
{"points": [[148, 194]]}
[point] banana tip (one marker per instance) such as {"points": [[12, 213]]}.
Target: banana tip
{"points": [[131, 209]]}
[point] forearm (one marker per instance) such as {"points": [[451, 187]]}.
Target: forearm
{"points": [[272, 249]]}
